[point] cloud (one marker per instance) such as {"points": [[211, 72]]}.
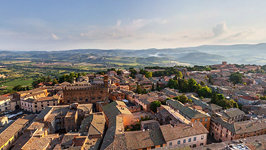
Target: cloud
{"points": [[219, 29], [118, 23], [54, 36]]}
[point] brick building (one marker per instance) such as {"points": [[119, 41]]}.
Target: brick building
{"points": [[85, 93]]}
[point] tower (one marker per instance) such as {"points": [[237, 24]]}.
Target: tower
{"points": [[106, 81]]}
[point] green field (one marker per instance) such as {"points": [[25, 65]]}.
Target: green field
{"points": [[19, 82]]}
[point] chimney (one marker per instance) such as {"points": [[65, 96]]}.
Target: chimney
{"points": [[106, 81]]}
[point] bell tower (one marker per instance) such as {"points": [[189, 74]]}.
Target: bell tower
{"points": [[106, 81]]}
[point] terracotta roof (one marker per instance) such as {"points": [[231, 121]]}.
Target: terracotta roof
{"points": [[114, 109], [242, 127], [93, 124], [144, 139], [2, 98], [182, 130], [232, 112], [189, 112], [9, 132], [248, 98], [37, 143]]}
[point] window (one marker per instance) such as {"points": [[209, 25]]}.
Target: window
{"points": [[184, 141], [202, 137], [201, 144], [178, 142], [101, 91], [195, 138], [194, 145], [86, 100], [189, 140], [42, 105], [99, 97], [80, 99], [47, 104], [170, 143], [206, 120], [68, 101], [200, 120], [93, 98], [195, 120], [205, 125]]}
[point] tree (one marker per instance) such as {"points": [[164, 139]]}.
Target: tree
{"points": [[144, 91], [148, 74], [119, 72], [202, 83], [142, 71], [220, 96], [192, 84], [152, 87], [138, 90], [83, 74], [48, 79], [179, 74], [204, 91], [183, 85], [236, 78], [158, 88], [183, 99], [55, 81], [133, 72], [173, 84], [19, 88], [154, 105], [210, 80], [214, 98]]}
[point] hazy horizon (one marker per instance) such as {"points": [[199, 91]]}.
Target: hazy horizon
{"points": [[135, 49], [55, 25]]}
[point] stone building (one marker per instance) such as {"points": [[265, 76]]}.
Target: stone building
{"points": [[4, 103], [187, 135], [64, 118], [223, 130], [189, 113], [38, 104], [11, 133], [85, 93]]}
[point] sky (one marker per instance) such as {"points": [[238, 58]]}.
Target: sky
{"points": [[122, 24]]}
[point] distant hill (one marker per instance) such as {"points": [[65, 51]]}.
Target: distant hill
{"points": [[202, 58], [200, 55]]}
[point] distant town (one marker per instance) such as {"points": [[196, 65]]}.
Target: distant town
{"points": [[212, 107]]}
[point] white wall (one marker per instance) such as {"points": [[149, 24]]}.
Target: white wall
{"points": [[197, 142]]}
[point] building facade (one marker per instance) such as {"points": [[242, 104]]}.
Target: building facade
{"points": [[186, 135], [191, 114], [85, 93], [222, 130], [37, 105], [4, 103]]}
